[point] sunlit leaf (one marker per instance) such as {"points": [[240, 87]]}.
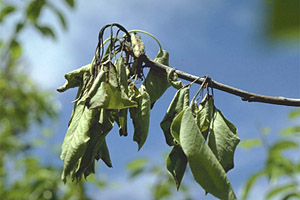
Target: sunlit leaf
{"points": [[223, 139], [7, 10], [205, 167], [295, 130], [250, 143], [251, 181], [283, 145], [136, 167], [141, 118], [157, 82], [16, 49], [294, 114], [279, 190], [176, 164], [179, 102]]}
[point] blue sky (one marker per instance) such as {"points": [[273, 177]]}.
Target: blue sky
{"points": [[223, 39]]}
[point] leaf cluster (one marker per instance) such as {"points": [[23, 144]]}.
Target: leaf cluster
{"points": [[109, 91], [203, 138]]}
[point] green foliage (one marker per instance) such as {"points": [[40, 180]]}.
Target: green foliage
{"points": [[280, 165], [285, 18], [25, 105]]}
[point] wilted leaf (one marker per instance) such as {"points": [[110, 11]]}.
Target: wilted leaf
{"points": [[121, 119], [76, 138], [157, 82], [179, 102], [74, 78], [137, 45], [176, 126], [96, 147], [204, 115], [103, 153], [141, 117], [206, 169], [176, 164], [109, 95], [223, 139]]}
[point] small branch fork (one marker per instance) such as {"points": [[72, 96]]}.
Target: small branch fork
{"points": [[246, 96]]}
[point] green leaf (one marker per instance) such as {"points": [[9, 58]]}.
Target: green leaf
{"points": [[157, 82], [7, 10], [109, 97], [71, 3], [16, 49], [34, 9], [282, 145], [294, 114], [223, 139], [121, 119], [176, 164], [136, 167], [250, 183], [279, 190], [295, 130], [19, 27], [76, 138], [204, 115], [96, 147], [45, 30], [137, 45], [61, 19], [141, 117], [103, 153], [179, 102], [109, 94], [74, 78], [205, 167], [250, 143], [176, 125]]}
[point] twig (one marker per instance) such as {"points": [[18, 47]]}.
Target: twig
{"points": [[246, 96]]}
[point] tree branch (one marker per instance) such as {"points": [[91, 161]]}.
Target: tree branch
{"points": [[246, 96]]}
